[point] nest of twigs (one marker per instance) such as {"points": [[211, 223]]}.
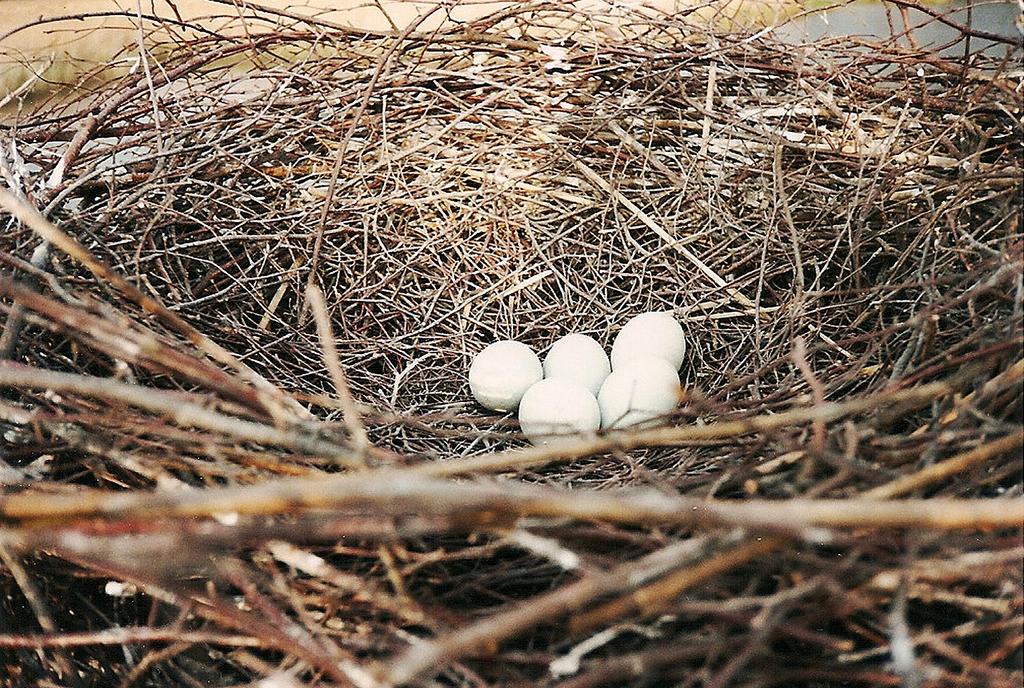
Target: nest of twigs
{"points": [[238, 444]]}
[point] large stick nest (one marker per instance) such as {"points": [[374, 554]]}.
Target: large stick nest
{"points": [[188, 497]]}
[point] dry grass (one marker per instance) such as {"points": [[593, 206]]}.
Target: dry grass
{"points": [[837, 226]]}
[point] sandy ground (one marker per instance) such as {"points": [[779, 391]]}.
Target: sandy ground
{"points": [[54, 42]]}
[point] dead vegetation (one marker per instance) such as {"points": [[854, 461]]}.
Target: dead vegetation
{"points": [[239, 447]]}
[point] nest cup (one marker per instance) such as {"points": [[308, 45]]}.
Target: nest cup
{"points": [[832, 226]]}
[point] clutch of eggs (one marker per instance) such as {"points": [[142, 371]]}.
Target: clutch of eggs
{"points": [[638, 391], [500, 374], [578, 388], [653, 334]]}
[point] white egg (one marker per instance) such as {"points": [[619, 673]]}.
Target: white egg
{"points": [[655, 333], [641, 390], [554, 408], [500, 374], [579, 358]]}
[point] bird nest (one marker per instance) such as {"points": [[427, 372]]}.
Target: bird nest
{"points": [[242, 292]]}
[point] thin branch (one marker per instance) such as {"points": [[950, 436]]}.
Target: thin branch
{"points": [[349, 408], [172, 406], [404, 492], [947, 468]]}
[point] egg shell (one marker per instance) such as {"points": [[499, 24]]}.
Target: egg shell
{"points": [[500, 374], [641, 390], [553, 411], [655, 333], [578, 358]]}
